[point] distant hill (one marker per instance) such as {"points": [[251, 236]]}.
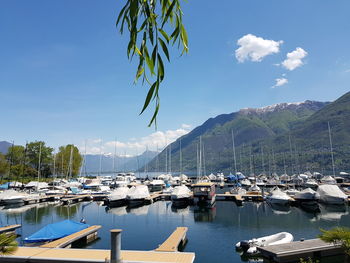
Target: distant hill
{"points": [[4, 146], [124, 164], [285, 136]]}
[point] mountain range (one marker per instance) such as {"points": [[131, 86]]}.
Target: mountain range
{"points": [[285, 137], [4, 146]]}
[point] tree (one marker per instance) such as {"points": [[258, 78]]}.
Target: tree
{"points": [[36, 149], [64, 158], [153, 25], [8, 243], [3, 164], [15, 154], [338, 236]]}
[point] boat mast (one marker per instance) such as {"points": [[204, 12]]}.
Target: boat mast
{"points": [[200, 156], [262, 159], [70, 162], [234, 152], [115, 154], [170, 158], [100, 166], [250, 161], [180, 158], [291, 154], [203, 153], [39, 167], [330, 142]]}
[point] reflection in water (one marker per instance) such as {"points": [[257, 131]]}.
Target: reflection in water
{"points": [[280, 209], [332, 212], [67, 211], [184, 210], [119, 211], [142, 210], [204, 214]]}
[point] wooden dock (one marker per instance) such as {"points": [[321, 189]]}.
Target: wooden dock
{"points": [[174, 241], [88, 234], [10, 228], [291, 252], [41, 199], [75, 199], [59, 255]]}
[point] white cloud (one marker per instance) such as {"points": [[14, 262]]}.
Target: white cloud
{"points": [[255, 48], [294, 59], [280, 82], [134, 146]]}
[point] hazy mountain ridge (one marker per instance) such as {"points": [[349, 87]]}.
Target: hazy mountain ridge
{"points": [[4, 146]]}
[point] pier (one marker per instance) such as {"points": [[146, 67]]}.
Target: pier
{"points": [[88, 234], [11, 228], [75, 199], [165, 253], [41, 199], [174, 241], [292, 252]]}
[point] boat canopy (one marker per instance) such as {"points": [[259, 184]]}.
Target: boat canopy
{"points": [[55, 231], [5, 186]]}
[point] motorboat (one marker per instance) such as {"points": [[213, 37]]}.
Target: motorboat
{"points": [[117, 197], [168, 190], [55, 231], [254, 189], [238, 191], [204, 193], [292, 192], [331, 194], [328, 180], [137, 195], [250, 246], [181, 195], [14, 198], [156, 185], [245, 182], [278, 197], [307, 195], [312, 183], [121, 181]]}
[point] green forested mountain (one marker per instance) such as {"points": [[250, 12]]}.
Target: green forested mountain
{"points": [[287, 136]]}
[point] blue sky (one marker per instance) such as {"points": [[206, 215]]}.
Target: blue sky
{"points": [[65, 77]]}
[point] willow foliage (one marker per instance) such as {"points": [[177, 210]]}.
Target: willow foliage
{"points": [[338, 236], [8, 243], [153, 26]]}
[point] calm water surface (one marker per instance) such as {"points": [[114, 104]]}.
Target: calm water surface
{"points": [[212, 232]]}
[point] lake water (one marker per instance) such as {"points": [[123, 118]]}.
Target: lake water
{"points": [[212, 232]]}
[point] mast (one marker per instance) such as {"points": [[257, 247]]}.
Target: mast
{"points": [[100, 166], [170, 158], [204, 170], [291, 154], [157, 160], [54, 166], [330, 142], [115, 154], [200, 156], [262, 159], [284, 163], [39, 167], [70, 162], [180, 157], [234, 152], [250, 161]]}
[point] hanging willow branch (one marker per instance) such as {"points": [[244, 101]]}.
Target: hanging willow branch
{"points": [[153, 25]]}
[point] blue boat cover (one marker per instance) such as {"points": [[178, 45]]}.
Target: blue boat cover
{"points": [[232, 178], [5, 186], [55, 231], [241, 177]]}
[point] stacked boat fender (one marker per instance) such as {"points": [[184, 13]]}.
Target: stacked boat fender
{"points": [[251, 246]]}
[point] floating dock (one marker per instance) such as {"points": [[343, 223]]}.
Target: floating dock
{"points": [[10, 228], [41, 199], [88, 234], [75, 199], [292, 252], [165, 253], [174, 241]]}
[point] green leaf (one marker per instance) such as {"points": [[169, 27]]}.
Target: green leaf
{"points": [[165, 35], [139, 73], [121, 13], [164, 47], [154, 118], [184, 38], [148, 60], [168, 13], [160, 68], [149, 96], [133, 8]]}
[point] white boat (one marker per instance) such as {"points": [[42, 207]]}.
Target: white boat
{"points": [[307, 195], [254, 188], [278, 197], [250, 246], [311, 183], [245, 182], [328, 180], [238, 191], [204, 193], [14, 198], [292, 192], [168, 190], [180, 195], [121, 181], [118, 196], [331, 194], [156, 185], [137, 195]]}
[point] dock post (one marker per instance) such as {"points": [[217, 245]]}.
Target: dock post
{"points": [[116, 245]]}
